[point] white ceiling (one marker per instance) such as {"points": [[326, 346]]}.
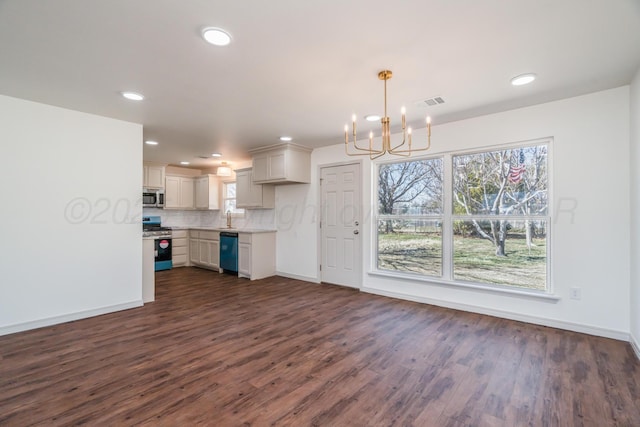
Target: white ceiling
{"points": [[302, 67]]}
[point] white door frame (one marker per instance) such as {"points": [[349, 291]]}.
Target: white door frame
{"points": [[318, 222]]}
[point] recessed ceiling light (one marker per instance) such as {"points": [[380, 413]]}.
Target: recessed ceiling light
{"points": [[216, 155], [216, 36], [151, 142], [523, 79], [133, 96], [285, 138], [372, 117], [184, 163]]}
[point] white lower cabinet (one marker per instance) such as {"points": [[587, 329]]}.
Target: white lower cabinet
{"points": [[204, 249], [244, 260], [256, 255], [256, 252]]}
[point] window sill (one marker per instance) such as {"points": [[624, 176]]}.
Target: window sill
{"points": [[477, 287]]}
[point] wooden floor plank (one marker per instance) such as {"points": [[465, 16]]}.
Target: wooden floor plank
{"points": [[217, 350]]}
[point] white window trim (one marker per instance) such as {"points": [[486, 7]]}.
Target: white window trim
{"points": [[223, 213]]}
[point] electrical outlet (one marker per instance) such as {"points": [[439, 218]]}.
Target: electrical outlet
{"points": [[575, 293]]}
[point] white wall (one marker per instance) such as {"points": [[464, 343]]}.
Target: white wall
{"points": [[635, 212], [70, 219], [590, 244]]}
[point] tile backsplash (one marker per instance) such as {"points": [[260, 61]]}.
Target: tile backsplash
{"points": [[258, 218]]}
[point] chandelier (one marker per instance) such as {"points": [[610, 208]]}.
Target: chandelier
{"points": [[401, 149]]}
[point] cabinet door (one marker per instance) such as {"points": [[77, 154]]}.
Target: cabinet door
{"points": [[204, 249], [154, 176], [244, 259], [187, 189], [202, 192], [194, 251], [215, 253], [245, 193], [278, 165], [172, 192], [261, 168]]}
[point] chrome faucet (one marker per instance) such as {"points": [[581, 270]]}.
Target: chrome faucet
{"points": [[228, 219]]}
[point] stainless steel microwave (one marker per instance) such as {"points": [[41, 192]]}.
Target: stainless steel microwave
{"points": [[152, 198]]}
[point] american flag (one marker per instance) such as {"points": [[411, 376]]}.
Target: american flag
{"points": [[516, 170]]}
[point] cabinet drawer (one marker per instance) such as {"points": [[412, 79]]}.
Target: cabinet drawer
{"points": [[194, 234], [177, 251], [210, 235], [244, 238], [179, 260], [179, 234], [177, 243]]}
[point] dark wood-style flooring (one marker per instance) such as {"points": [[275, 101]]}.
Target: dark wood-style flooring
{"points": [[220, 351]]}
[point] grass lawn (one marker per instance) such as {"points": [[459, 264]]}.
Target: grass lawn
{"points": [[474, 258]]}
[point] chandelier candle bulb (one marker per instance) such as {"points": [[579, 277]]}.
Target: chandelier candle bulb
{"points": [[403, 111], [353, 120], [346, 134]]}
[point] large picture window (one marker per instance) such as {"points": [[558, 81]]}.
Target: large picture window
{"points": [[410, 213], [493, 229]]}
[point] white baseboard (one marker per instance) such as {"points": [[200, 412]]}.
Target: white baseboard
{"points": [[298, 277], [635, 345], [559, 324], [55, 320]]}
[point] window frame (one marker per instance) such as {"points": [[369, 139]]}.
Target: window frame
{"points": [[239, 212], [422, 217], [448, 219]]}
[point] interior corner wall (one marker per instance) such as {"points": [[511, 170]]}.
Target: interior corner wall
{"points": [[590, 218], [70, 219], [635, 211]]}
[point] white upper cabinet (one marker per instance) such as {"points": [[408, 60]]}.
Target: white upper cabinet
{"points": [[250, 195], [179, 192], [153, 175], [207, 191], [281, 164]]}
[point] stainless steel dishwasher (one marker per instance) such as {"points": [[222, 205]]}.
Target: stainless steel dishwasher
{"points": [[229, 251]]}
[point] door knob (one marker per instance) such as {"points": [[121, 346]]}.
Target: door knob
{"points": [[356, 232], [356, 223]]}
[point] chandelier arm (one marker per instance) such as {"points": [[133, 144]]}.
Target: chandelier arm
{"points": [[368, 153], [369, 150], [412, 150], [404, 139]]}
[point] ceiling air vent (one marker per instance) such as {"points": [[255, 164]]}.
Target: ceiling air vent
{"points": [[436, 100]]}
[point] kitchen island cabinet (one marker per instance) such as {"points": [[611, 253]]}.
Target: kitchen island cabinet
{"points": [[256, 255], [148, 270]]}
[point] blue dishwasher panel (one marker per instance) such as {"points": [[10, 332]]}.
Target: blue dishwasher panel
{"points": [[229, 251]]}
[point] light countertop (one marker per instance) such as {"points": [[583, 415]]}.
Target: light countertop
{"points": [[231, 230]]}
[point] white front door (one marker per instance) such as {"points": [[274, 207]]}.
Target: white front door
{"points": [[341, 225]]}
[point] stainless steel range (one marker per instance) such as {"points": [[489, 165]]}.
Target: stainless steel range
{"points": [[152, 227]]}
